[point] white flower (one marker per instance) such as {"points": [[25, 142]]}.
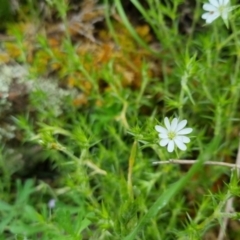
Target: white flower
{"points": [[52, 203], [215, 9], [173, 134]]}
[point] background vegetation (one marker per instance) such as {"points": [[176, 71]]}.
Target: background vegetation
{"points": [[82, 85]]}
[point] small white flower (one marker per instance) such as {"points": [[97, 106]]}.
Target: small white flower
{"points": [[173, 134], [52, 203], [215, 9]]}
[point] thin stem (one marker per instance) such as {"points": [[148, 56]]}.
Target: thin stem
{"points": [[228, 209], [130, 168], [235, 83], [229, 205], [190, 162]]}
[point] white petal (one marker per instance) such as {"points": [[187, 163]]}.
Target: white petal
{"points": [[163, 135], [181, 125], [178, 138], [185, 131], [212, 17], [164, 142], [174, 124], [214, 3], [185, 139], [180, 144], [225, 2], [170, 147], [167, 123], [205, 15], [160, 129], [210, 8]]}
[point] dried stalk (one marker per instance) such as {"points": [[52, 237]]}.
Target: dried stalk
{"points": [[229, 205], [177, 161]]}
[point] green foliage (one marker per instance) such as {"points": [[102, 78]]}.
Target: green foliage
{"points": [[5, 11], [102, 182]]}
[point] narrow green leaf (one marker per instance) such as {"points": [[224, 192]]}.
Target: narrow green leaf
{"points": [[129, 26], [164, 199]]}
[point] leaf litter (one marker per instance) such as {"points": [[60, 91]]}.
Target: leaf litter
{"points": [[41, 45]]}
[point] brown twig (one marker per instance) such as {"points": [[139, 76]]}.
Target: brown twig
{"points": [[6, 38], [177, 161], [229, 205]]}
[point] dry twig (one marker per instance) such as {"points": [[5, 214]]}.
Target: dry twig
{"points": [[229, 205], [190, 162]]}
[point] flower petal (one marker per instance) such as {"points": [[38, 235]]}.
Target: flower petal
{"points": [[180, 144], [185, 139], [167, 123], [164, 142], [214, 3], [212, 17], [160, 129], [170, 147], [225, 2], [205, 15], [210, 8], [185, 131], [181, 125], [174, 124], [163, 135]]}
